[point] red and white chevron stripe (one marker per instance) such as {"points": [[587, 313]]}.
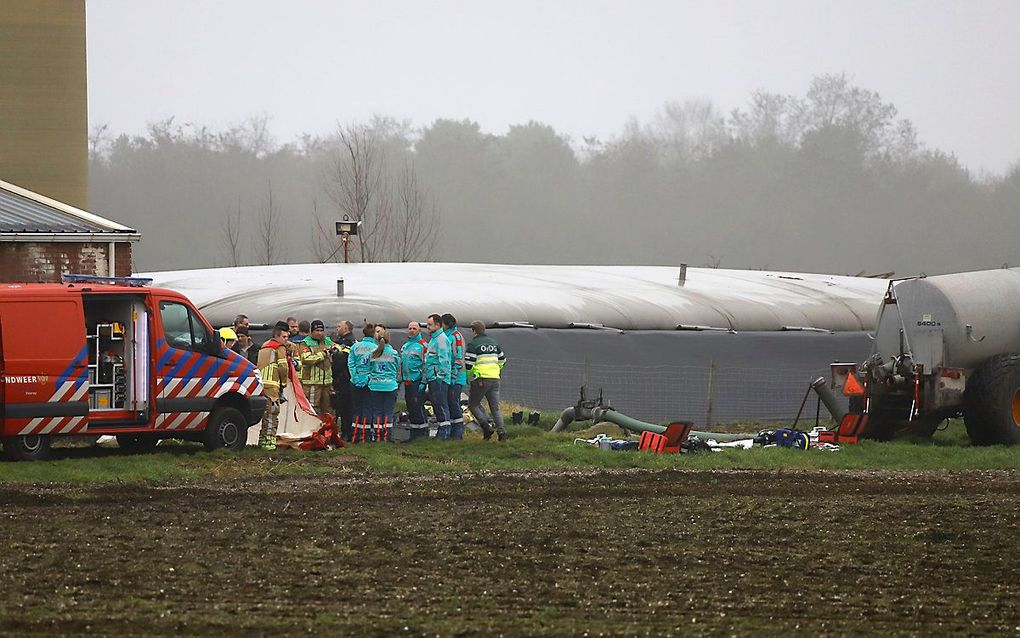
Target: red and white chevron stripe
{"points": [[65, 388], [48, 425], [179, 388], [181, 421], [55, 425], [249, 386]]}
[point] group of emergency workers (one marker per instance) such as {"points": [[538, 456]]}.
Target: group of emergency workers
{"points": [[360, 380]]}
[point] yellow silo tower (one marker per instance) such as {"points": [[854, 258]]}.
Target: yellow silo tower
{"points": [[43, 98]]}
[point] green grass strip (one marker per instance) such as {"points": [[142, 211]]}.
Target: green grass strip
{"points": [[529, 448]]}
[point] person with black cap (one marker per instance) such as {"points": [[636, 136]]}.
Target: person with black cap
{"points": [[317, 367], [274, 369]]}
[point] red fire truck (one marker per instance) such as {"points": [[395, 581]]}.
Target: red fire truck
{"points": [[102, 355]]}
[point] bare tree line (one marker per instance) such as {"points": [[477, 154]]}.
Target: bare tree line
{"points": [[268, 241], [832, 180], [231, 228], [399, 218]]}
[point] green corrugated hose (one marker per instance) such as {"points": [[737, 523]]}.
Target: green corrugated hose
{"points": [[628, 423]]}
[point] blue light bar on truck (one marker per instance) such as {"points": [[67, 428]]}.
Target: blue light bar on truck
{"points": [[137, 282]]}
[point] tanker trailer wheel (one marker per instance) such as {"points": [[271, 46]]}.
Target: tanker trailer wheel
{"points": [[992, 402], [227, 428], [27, 448]]}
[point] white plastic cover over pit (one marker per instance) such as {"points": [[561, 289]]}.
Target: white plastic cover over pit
{"points": [[624, 297]]}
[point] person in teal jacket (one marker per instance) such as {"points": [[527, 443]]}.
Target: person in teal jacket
{"points": [[412, 368], [383, 381], [437, 374], [358, 362], [458, 376]]}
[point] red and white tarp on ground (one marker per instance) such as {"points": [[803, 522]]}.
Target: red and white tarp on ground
{"points": [[299, 426]]}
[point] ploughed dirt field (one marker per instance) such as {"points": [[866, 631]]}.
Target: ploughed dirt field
{"points": [[566, 553]]}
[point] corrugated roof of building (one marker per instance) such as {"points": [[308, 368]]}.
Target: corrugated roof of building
{"points": [[22, 211]]}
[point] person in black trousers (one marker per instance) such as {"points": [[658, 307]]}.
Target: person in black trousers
{"points": [[342, 378]]}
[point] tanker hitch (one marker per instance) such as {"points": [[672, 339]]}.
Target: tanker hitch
{"points": [[889, 396]]}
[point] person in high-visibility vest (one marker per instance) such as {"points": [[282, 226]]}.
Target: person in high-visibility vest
{"points": [[484, 361], [359, 364], [437, 374], [412, 366], [458, 376], [317, 367], [274, 369], [383, 382]]}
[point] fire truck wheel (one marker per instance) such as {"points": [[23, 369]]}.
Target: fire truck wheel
{"points": [[27, 448], [227, 429], [992, 402], [137, 443]]}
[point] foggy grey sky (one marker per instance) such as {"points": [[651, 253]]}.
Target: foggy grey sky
{"points": [[583, 67]]}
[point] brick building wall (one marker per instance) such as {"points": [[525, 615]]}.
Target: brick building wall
{"points": [[45, 262]]}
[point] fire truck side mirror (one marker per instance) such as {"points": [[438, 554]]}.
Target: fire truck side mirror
{"points": [[213, 344]]}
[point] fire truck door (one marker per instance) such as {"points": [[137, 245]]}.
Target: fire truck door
{"points": [[185, 368]]}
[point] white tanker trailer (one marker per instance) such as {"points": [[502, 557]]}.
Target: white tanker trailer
{"points": [[945, 346]]}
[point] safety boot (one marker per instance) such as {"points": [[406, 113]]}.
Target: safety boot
{"points": [[502, 437], [486, 431]]}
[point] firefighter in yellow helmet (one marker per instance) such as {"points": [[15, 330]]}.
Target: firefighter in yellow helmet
{"points": [[274, 368], [228, 338]]}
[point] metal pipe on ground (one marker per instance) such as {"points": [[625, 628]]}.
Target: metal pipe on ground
{"points": [[821, 388], [566, 418], [633, 425]]}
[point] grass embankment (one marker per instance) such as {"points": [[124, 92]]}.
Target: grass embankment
{"points": [[529, 448]]}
